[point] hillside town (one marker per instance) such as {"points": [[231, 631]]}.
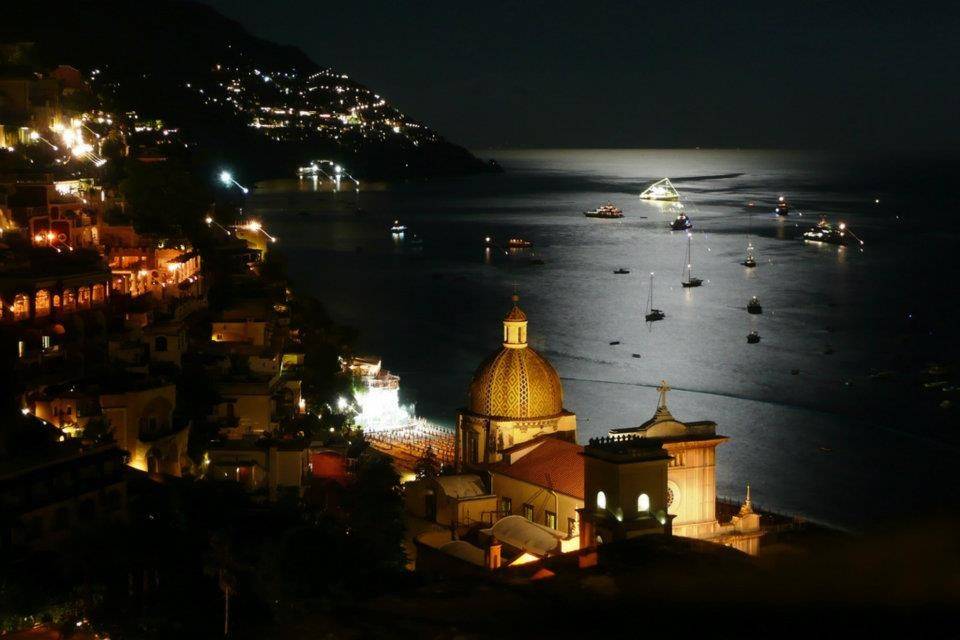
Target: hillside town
{"points": [[190, 446]]}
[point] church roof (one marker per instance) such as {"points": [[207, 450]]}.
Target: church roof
{"points": [[665, 427], [553, 463], [516, 315], [516, 383]]}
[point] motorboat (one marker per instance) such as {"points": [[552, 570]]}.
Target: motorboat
{"points": [[682, 223]]}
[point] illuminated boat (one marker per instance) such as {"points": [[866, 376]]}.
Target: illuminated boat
{"points": [[397, 227], [753, 337], [754, 306], [783, 207], [604, 211], [662, 190], [750, 261], [826, 232], [519, 243], [682, 223], [689, 280], [652, 314]]}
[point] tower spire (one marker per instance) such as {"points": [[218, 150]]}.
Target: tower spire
{"points": [[747, 507]]}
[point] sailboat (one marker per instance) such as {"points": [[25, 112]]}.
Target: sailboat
{"points": [[653, 314], [690, 281], [661, 190]]}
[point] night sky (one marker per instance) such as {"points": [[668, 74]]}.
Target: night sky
{"points": [[644, 74]]}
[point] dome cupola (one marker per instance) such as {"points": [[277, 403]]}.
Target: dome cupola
{"points": [[516, 382]]}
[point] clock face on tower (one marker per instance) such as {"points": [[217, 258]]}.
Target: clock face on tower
{"points": [[673, 497]]}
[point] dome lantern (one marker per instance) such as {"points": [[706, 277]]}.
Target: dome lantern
{"points": [[515, 327]]}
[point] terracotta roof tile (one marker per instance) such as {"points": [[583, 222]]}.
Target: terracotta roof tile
{"points": [[555, 464]]}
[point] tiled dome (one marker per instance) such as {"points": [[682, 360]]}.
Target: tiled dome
{"points": [[515, 381]]}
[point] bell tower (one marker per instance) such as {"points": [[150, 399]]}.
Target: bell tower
{"points": [[625, 489]]}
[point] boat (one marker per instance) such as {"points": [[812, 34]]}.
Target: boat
{"points": [[662, 190], [604, 211], [750, 261], [614, 342], [653, 314], [682, 223], [416, 240], [690, 281], [754, 306], [827, 233], [519, 243], [397, 227], [753, 337], [783, 207], [622, 271], [537, 261], [635, 355]]}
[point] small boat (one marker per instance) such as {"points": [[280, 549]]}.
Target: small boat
{"points": [[614, 342], [635, 355], [622, 271], [416, 240], [652, 314], [751, 261], [754, 306], [303, 213], [783, 207], [827, 233], [537, 261], [397, 227], [662, 190], [753, 337], [604, 211], [519, 243], [682, 223], [794, 372], [689, 280]]}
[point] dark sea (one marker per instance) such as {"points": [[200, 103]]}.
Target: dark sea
{"points": [[828, 416]]}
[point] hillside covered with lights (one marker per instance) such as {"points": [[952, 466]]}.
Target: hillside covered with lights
{"points": [[241, 99]]}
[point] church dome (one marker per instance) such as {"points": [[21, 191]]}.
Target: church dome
{"points": [[515, 381]]}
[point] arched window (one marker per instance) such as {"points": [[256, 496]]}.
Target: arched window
{"points": [[41, 302], [643, 503], [601, 500], [21, 307], [83, 297], [69, 300], [160, 344]]}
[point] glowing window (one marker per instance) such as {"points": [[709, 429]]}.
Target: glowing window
{"points": [[601, 500], [643, 502]]}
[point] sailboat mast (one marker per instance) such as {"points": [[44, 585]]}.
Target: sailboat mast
{"points": [[689, 263]]}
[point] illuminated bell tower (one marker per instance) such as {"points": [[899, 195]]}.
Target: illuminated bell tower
{"points": [[515, 327]]}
